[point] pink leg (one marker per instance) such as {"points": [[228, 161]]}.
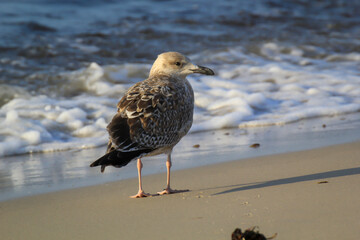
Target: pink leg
{"points": [[168, 190], [140, 193]]}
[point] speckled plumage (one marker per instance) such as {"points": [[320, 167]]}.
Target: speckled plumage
{"points": [[158, 112], [153, 115]]}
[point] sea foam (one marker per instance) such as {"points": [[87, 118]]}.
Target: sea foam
{"points": [[279, 85]]}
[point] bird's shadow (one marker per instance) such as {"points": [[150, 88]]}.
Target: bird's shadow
{"points": [[282, 181]]}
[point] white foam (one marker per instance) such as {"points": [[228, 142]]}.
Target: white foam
{"points": [[11, 116], [32, 137], [278, 86]]}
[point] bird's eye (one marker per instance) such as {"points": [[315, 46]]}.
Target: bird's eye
{"points": [[178, 63]]}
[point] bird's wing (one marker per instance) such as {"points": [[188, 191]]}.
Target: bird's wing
{"points": [[149, 116]]}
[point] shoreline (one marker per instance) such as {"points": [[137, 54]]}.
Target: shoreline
{"points": [[307, 194], [34, 174]]}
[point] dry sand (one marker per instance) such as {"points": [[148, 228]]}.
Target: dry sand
{"points": [[302, 195]]}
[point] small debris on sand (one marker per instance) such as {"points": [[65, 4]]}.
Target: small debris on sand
{"points": [[255, 145], [249, 234], [196, 146], [324, 125], [321, 182]]}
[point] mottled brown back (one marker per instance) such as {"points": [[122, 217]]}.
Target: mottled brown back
{"points": [[154, 113]]}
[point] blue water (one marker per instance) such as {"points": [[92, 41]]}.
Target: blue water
{"points": [[46, 37]]}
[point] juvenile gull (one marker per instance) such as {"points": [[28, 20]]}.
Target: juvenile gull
{"points": [[153, 116]]}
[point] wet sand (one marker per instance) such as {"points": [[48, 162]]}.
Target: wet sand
{"points": [[300, 195], [33, 174]]}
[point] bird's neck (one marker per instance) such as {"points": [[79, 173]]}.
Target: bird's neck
{"points": [[155, 72]]}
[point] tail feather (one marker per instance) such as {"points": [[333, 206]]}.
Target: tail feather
{"points": [[118, 159]]}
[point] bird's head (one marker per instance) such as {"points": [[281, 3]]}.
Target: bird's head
{"points": [[177, 65]]}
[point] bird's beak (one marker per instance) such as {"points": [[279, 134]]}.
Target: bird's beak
{"points": [[202, 70]]}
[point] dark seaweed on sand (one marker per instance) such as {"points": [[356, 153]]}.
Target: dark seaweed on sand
{"points": [[249, 234]]}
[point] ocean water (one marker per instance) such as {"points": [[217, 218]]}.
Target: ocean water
{"points": [[65, 64]]}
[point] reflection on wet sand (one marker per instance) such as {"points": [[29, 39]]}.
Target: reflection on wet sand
{"points": [[39, 173]]}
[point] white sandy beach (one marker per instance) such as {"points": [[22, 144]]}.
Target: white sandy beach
{"points": [[301, 195]]}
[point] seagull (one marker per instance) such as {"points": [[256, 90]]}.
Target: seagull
{"points": [[153, 116]]}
